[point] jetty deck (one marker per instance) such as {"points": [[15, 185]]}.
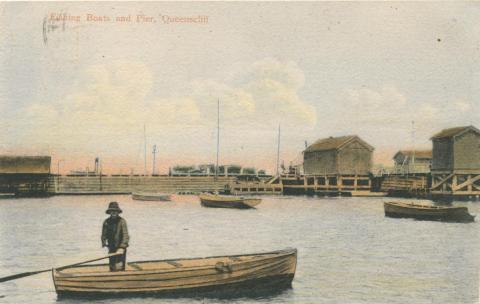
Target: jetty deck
{"points": [[71, 185]]}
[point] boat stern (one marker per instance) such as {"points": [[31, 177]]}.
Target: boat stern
{"points": [[54, 279]]}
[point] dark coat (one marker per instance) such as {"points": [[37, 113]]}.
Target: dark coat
{"points": [[115, 233]]}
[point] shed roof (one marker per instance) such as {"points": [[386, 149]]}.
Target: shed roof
{"points": [[335, 143], [427, 154], [451, 132], [25, 164]]}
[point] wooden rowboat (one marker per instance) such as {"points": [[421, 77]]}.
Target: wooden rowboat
{"points": [[220, 201], [424, 212], [271, 271], [152, 196]]}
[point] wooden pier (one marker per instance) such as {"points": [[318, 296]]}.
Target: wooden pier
{"points": [[350, 185], [456, 184], [406, 185], [71, 185], [255, 187]]}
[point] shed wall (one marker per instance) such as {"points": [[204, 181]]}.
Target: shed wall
{"points": [[320, 162], [467, 152], [442, 154], [403, 166], [354, 158]]}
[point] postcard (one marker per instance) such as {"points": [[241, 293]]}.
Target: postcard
{"points": [[244, 152]]}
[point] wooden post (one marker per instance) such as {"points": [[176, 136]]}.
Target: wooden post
{"points": [[454, 183], [469, 187]]}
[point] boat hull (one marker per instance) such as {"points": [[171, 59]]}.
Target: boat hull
{"points": [[432, 213], [227, 202], [252, 288], [216, 276], [151, 197]]}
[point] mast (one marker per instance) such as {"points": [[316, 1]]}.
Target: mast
{"points": [[145, 148], [413, 145], [218, 135], [154, 152], [278, 149]]}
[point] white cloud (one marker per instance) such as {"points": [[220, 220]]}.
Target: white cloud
{"points": [[173, 111], [288, 73], [109, 103], [274, 86], [384, 116], [264, 93], [462, 105]]}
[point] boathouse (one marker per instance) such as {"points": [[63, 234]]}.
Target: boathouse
{"points": [[333, 165], [345, 155], [24, 175], [412, 161], [456, 162]]}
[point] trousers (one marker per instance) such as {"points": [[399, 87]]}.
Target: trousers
{"points": [[118, 262]]}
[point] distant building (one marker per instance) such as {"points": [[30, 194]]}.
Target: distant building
{"points": [[380, 170], [412, 161], [456, 149], [296, 165], [182, 170], [262, 172], [25, 164], [87, 171], [24, 175], [456, 162], [209, 170], [345, 155], [249, 171]]}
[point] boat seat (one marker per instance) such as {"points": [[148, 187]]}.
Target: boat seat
{"points": [[223, 267], [236, 259], [135, 266], [174, 263]]}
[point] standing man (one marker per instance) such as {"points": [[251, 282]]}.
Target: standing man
{"points": [[115, 237]]}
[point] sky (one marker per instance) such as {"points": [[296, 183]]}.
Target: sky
{"points": [[85, 87]]}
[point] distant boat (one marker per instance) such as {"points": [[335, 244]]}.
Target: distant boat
{"points": [[221, 275], [221, 201], [424, 212], [151, 196]]}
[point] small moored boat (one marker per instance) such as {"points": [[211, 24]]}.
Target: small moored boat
{"points": [[271, 271], [151, 196], [425, 212], [221, 201]]}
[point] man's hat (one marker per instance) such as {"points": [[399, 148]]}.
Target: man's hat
{"points": [[113, 206]]}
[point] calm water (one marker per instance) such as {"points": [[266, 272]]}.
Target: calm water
{"points": [[348, 251]]}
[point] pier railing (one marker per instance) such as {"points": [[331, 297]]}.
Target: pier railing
{"points": [[129, 184]]}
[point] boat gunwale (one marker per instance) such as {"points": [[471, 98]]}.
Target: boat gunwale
{"points": [[259, 269], [276, 254], [151, 193], [229, 199], [149, 272], [153, 196], [426, 207], [243, 204]]}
